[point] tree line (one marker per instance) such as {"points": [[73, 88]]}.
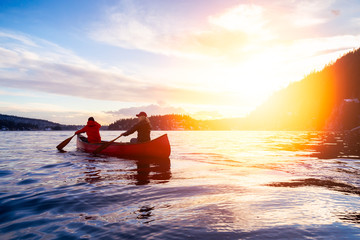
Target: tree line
{"points": [[162, 122], [326, 99], [14, 123]]}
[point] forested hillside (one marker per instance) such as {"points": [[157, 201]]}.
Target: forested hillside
{"points": [[164, 122], [13, 123], [324, 99]]}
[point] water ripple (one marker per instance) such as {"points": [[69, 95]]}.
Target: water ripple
{"points": [[216, 185]]}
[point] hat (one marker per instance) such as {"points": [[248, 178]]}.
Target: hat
{"points": [[141, 114]]}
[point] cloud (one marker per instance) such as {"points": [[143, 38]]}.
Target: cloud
{"points": [[53, 112], [244, 18], [228, 34], [20, 38], [46, 111], [356, 21], [46, 67], [314, 47], [271, 35], [16, 94], [132, 28], [163, 109], [153, 109], [311, 12]]}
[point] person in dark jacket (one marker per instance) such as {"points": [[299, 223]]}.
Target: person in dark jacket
{"points": [[142, 127], [92, 130]]}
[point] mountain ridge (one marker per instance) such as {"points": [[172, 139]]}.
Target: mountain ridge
{"points": [[14, 123]]}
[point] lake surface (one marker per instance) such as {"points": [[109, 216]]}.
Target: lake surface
{"points": [[217, 185]]}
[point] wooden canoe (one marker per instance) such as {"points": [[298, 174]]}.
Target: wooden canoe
{"points": [[156, 148]]}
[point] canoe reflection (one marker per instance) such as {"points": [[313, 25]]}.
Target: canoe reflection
{"points": [[351, 217], [92, 175], [145, 213], [147, 171], [138, 172]]}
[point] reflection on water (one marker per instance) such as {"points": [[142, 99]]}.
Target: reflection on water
{"points": [[216, 185], [313, 182], [339, 144], [138, 172], [92, 174], [145, 213], [147, 170], [351, 217]]}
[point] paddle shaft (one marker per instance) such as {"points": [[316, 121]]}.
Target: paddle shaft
{"points": [[105, 145], [64, 143], [355, 128]]}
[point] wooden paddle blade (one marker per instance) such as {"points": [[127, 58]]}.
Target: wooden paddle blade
{"points": [[102, 147], [105, 145], [64, 143]]}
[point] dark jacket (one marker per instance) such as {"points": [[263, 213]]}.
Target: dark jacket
{"points": [[92, 131], [143, 128]]}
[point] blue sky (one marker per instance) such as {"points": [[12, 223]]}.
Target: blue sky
{"points": [[67, 60]]}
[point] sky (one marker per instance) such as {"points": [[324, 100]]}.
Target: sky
{"points": [[65, 61]]}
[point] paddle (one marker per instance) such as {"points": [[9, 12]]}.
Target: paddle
{"points": [[64, 143], [105, 145], [355, 128]]}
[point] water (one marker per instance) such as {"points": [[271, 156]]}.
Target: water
{"points": [[217, 185]]}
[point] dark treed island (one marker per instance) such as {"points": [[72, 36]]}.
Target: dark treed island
{"points": [[14, 123]]}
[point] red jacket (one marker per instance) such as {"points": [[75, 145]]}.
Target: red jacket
{"points": [[92, 131]]}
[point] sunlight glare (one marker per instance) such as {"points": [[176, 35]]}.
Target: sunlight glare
{"points": [[247, 18]]}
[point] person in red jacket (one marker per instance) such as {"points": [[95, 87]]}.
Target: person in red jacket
{"points": [[92, 131]]}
